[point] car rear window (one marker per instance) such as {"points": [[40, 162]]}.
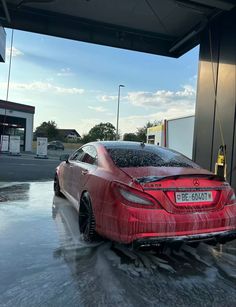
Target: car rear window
{"points": [[148, 156]]}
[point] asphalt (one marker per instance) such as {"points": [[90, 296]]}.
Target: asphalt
{"points": [[27, 168], [43, 261]]}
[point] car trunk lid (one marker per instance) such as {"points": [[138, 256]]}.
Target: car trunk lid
{"points": [[182, 190]]}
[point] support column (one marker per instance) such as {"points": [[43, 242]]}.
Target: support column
{"points": [[215, 121]]}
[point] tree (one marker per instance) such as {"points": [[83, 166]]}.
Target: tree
{"points": [[85, 139], [130, 137], [142, 132], [102, 131], [47, 129]]}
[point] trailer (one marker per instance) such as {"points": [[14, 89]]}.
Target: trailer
{"points": [[175, 134]]}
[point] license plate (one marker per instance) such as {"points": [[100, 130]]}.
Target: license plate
{"points": [[193, 197]]}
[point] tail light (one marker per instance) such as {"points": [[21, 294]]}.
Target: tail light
{"points": [[232, 198], [133, 197]]}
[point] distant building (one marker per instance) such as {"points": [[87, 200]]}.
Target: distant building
{"points": [[69, 134], [17, 119]]}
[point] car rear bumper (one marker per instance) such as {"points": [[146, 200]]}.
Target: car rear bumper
{"points": [[213, 238], [136, 225]]}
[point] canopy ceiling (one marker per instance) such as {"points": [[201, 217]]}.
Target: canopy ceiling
{"points": [[164, 27]]}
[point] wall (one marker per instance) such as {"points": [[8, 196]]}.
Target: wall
{"points": [[2, 44], [215, 121], [180, 135]]}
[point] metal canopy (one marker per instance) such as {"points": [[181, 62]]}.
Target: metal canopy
{"points": [[164, 27]]}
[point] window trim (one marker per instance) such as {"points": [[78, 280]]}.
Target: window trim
{"points": [[80, 161]]}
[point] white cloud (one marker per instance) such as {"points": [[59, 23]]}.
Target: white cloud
{"points": [[158, 105], [165, 104], [65, 72], [107, 98], [42, 87], [131, 123], [97, 109], [15, 52], [85, 124], [110, 114], [163, 99]]}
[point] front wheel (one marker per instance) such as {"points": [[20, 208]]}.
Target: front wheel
{"points": [[56, 187], [87, 220]]}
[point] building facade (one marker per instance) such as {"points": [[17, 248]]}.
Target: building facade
{"points": [[17, 119]]}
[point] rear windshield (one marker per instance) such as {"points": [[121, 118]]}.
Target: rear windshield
{"points": [[148, 155]]}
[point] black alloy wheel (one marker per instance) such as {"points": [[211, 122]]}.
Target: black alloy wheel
{"points": [[87, 220], [56, 187]]}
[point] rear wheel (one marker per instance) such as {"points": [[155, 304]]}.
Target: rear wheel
{"points": [[57, 188], [87, 220], [194, 244]]}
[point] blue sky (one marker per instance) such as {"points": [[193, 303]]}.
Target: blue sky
{"points": [[76, 83]]}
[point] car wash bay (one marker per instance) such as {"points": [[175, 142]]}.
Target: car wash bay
{"points": [[42, 259]]}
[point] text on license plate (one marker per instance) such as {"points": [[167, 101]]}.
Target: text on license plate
{"points": [[193, 197]]}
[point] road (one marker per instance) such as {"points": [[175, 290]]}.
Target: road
{"points": [[26, 168], [43, 262]]}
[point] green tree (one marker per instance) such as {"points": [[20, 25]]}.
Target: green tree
{"points": [[86, 139], [102, 131], [130, 137], [47, 129]]}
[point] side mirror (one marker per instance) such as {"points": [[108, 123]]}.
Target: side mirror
{"points": [[64, 157]]}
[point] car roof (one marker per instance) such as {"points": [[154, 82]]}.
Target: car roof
{"points": [[119, 143], [127, 144]]}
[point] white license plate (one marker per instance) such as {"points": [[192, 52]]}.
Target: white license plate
{"points": [[193, 197]]}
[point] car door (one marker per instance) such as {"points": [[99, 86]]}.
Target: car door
{"points": [[67, 171], [82, 169]]}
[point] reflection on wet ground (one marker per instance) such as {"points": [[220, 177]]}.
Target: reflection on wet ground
{"points": [[44, 263]]}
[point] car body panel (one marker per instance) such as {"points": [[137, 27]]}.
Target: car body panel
{"points": [[128, 224]]}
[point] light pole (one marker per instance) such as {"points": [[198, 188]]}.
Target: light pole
{"points": [[118, 112]]}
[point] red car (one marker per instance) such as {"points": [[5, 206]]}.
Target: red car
{"points": [[144, 194]]}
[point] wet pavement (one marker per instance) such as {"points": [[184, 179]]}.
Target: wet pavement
{"points": [[43, 262]]}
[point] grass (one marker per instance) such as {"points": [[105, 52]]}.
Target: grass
{"points": [[72, 145]]}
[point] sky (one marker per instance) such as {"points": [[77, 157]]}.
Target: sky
{"points": [[76, 84]]}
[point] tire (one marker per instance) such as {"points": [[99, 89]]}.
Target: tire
{"points": [[56, 187], [87, 222], [194, 244]]}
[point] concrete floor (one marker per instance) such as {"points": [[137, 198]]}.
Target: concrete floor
{"points": [[44, 263]]}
